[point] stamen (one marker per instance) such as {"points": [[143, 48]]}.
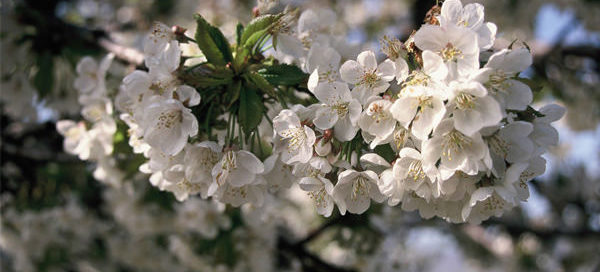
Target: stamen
{"points": [[415, 170], [168, 119], [360, 187], [453, 142], [451, 53], [296, 137], [465, 101]]}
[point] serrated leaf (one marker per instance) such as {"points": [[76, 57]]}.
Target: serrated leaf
{"points": [[261, 83], [251, 109], [212, 42], [44, 78], [259, 24], [283, 74]]}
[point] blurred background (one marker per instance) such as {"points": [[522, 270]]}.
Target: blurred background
{"points": [[57, 217]]}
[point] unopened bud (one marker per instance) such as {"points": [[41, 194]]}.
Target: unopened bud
{"points": [[327, 134], [178, 30], [255, 11]]}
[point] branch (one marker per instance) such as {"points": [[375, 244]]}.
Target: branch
{"points": [[126, 54], [54, 34], [309, 261]]}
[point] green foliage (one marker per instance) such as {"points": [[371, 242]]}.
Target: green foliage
{"points": [[256, 28], [251, 109], [283, 74], [206, 75], [261, 83], [212, 42], [386, 152], [239, 28]]}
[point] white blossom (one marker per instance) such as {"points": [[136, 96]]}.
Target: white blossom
{"points": [[235, 169], [457, 47], [470, 16], [472, 108], [369, 79], [421, 109], [299, 139], [339, 110], [354, 191], [498, 75], [168, 124]]}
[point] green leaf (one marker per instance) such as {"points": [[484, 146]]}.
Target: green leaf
{"points": [[206, 75], [255, 38], [386, 152], [259, 24], [261, 83], [234, 91], [251, 109], [238, 33], [283, 74], [44, 78], [212, 42]]}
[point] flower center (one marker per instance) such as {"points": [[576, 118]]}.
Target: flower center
{"points": [[493, 203], [168, 119], [400, 137], [415, 170], [328, 76], [425, 102], [377, 113], [465, 101], [319, 197], [416, 78], [451, 53], [208, 159], [227, 165], [498, 145], [369, 79], [187, 186], [454, 142], [498, 81], [360, 187], [341, 109], [296, 137], [391, 47]]}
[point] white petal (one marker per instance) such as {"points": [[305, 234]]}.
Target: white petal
{"points": [[433, 65], [344, 130], [325, 118], [352, 72], [387, 70], [367, 60], [404, 110], [250, 162], [518, 96], [402, 69]]}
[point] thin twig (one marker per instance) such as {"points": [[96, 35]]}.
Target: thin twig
{"points": [[127, 54]]}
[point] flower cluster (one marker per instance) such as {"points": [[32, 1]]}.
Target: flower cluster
{"points": [[440, 126], [464, 138], [92, 139]]}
